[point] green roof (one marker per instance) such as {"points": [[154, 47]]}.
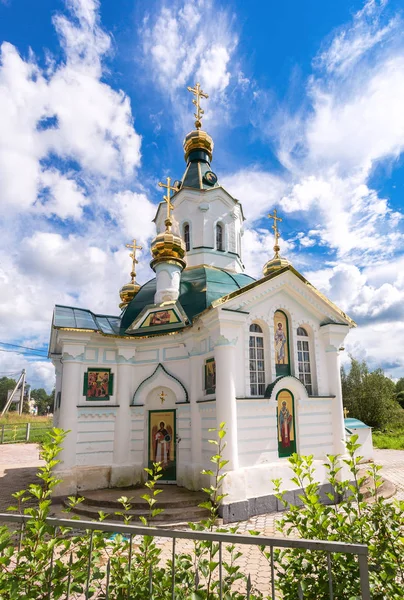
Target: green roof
{"points": [[200, 286], [80, 318]]}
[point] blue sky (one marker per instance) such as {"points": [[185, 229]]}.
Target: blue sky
{"points": [[306, 111]]}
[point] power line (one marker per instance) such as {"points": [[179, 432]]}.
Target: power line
{"points": [[24, 353], [25, 347]]}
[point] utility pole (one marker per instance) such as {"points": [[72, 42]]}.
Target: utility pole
{"points": [[9, 401], [22, 391]]}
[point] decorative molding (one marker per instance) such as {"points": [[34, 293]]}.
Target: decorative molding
{"points": [[88, 413], [66, 357], [161, 369], [221, 340], [127, 354]]}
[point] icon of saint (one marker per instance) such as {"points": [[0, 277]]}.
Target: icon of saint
{"points": [[285, 424]]}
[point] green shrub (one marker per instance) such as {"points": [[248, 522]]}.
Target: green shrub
{"points": [[379, 524], [48, 564]]}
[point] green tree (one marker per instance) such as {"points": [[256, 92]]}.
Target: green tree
{"points": [[400, 392], [368, 395], [5, 384], [43, 400]]}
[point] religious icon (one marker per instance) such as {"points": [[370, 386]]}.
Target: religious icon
{"points": [[162, 441], [281, 344], [210, 376], [210, 178], [286, 434], [162, 317], [97, 384]]}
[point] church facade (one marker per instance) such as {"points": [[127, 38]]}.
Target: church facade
{"points": [[200, 344]]}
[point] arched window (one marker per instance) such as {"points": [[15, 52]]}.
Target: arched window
{"points": [[303, 357], [257, 363], [187, 238], [219, 237]]}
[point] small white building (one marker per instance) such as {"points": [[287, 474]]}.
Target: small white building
{"points": [[200, 344], [364, 433]]}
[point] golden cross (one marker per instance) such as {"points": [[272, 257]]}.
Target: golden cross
{"points": [[162, 397], [346, 412], [167, 199], [276, 230], [196, 101], [132, 254]]}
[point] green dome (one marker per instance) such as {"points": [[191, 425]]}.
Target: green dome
{"points": [[200, 286]]}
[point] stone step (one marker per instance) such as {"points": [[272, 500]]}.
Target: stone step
{"points": [[170, 515], [170, 497]]}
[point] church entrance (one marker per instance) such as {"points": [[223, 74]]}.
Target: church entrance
{"points": [[162, 446]]}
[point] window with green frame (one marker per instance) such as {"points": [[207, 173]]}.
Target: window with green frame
{"points": [[210, 376], [98, 384]]}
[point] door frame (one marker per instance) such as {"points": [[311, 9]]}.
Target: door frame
{"points": [[162, 410]]}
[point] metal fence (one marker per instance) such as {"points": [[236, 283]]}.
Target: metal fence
{"points": [[132, 532], [17, 433]]}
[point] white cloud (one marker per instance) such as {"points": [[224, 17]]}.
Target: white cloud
{"points": [[64, 111], [68, 152], [352, 43], [350, 121], [189, 42]]}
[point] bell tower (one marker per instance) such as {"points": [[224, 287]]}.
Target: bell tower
{"points": [[207, 217]]}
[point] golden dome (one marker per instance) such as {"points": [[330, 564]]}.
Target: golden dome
{"points": [[167, 247], [275, 264], [127, 293], [198, 140]]}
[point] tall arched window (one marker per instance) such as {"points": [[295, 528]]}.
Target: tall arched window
{"points": [[187, 238], [303, 357], [257, 363], [219, 237]]}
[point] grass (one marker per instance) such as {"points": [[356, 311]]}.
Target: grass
{"points": [[391, 440], [15, 428], [13, 417]]}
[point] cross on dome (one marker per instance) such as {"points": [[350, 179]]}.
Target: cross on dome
{"points": [[276, 231], [167, 199], [132, 254], [196, 101]]}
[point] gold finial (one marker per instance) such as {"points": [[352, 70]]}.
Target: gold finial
{"points": [[132, 254], [276, 230], [346, 412], [196, 101], [168, 222]]}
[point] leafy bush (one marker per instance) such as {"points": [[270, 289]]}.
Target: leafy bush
{"points": [[41, 563], [378, 524]]}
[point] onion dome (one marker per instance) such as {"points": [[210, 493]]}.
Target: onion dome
{"points": [[168, 247], [127, 293], [198, 141], [275, 264]]}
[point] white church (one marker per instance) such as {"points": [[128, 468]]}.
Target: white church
{"points": [[199, 344]]}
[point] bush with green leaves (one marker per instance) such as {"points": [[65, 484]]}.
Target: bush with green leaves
{"points": [[377, 523], [41, 563]]}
